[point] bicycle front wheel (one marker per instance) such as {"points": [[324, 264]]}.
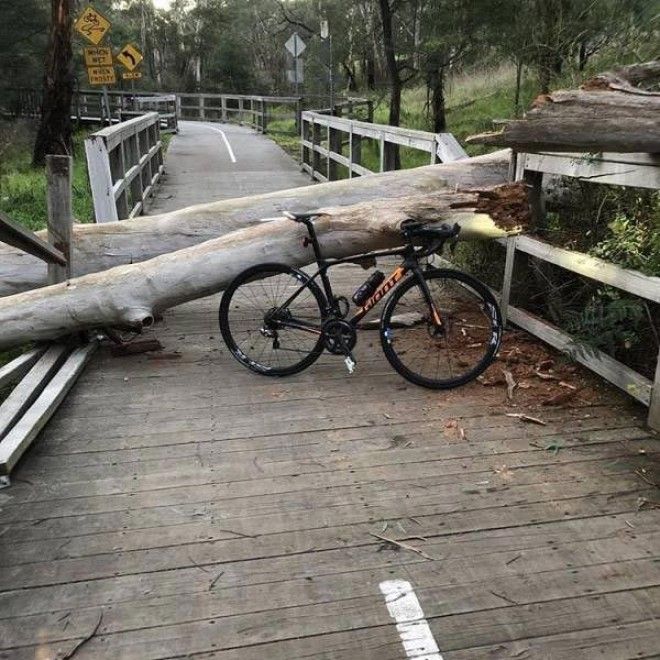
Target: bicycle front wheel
{"points": [[256, 329], [472, 330]]}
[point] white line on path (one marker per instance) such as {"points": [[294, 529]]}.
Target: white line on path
{"points": [[226, 141], [404, 608]]}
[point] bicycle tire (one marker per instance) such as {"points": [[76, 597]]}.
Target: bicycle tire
{"points": [[230, 336], [491, 335]]}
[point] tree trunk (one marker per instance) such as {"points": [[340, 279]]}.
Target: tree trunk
{"points": [[130, 296], [590, 121], [392, 159], [102, 246], [54, 135], [437, 85], [516, 100]]}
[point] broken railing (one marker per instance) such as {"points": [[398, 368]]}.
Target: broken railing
{"points": [[42, 376]]}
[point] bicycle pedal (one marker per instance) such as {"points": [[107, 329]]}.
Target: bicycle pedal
{"points": [[350, 364]]}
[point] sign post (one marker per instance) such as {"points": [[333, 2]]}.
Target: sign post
{"points": [[296, 46], [93, 25]]}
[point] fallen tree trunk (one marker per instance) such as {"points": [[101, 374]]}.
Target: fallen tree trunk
{"points": [[99, 247], [606, 114], [130, 296]]}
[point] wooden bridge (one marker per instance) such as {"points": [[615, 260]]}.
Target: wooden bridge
{"points": [[179, 506]]}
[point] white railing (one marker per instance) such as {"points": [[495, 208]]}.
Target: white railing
{"points": [[637, 170], [323, 138], [125, 162], [254, 111]]}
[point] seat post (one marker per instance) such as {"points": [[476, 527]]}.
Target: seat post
{"points": [[314, 240]]}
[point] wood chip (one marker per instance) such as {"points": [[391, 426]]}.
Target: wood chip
{"points": [[511, 384], [545, 376], [404, 546], [526, 418]]}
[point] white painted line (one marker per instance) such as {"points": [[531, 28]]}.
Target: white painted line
{"points": [[403, 606], [230, 151]]}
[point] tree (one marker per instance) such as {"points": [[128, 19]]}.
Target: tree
{"points": [[54, 135]]}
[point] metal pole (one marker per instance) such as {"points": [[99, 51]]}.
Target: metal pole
{"points": [[332, 82]]}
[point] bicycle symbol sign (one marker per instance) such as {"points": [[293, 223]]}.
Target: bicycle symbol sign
{"points": [[92, 25]]}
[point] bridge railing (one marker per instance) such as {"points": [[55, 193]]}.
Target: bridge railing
{"points": [[125, 162], [635, 170], [254, 111], [328, 142]]}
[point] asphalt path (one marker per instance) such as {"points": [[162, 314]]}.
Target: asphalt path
{"points": [[210, 161]]}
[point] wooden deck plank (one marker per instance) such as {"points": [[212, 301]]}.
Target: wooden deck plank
{"points": [[237, 522]]}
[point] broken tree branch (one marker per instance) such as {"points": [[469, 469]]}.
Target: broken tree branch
{"points": [[98, 247]]}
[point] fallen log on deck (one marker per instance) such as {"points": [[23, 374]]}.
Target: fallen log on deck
{"points": [[608, 113], [130, 296], [99, 247]]}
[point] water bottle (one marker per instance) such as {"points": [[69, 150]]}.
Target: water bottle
{"points": [[366, 290]]}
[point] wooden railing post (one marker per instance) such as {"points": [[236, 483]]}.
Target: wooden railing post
{"points": [[240, 110], [508, 276], [654, 406], [334, 146], [264, 116], [316, 141], [202, 112], [223, 106], [59, 171]]}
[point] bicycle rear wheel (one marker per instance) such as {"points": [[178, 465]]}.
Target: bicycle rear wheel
{"points": [[254, 338], [468, 343]]}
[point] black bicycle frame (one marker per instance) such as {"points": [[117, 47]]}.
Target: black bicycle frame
{"points": [[409, 264]]}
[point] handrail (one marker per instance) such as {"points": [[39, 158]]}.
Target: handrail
{"points": [[441, 147], [125, 162], [636, 170]]}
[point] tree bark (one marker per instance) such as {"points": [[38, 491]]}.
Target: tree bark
{"points": [[54, 135], [392, 159], [582, 120], [437, 86], [130, 296], [99, 247]]}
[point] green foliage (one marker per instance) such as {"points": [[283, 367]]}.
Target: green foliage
{"points": [[610, 321], [633, 243], [23, 188]]}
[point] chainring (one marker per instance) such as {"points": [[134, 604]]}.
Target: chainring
{"points": [[339, 336]]}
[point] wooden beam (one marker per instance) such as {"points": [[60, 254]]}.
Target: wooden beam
{"points": [[25, 393], [610, 369], [19, 237], [632, 281], [17, 368], [35, 418]]}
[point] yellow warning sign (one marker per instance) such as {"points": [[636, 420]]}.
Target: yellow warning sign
{"points": [[129, 56], [131, 75], [98, 56], [92, 25], [101, 75]]}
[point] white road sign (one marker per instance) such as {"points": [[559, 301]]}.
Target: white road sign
{"points": [[295, 45]]}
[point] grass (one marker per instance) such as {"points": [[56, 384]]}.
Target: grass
{"points": [[23, 187]]}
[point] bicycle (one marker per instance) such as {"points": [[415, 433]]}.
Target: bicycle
{"points": [[439, 328]]}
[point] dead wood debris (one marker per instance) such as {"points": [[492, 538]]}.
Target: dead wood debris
{"points": [[527, 418], [403, 545]]}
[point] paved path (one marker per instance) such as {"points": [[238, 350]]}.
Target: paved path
{"points": [[180, 506], [209, 161]]}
